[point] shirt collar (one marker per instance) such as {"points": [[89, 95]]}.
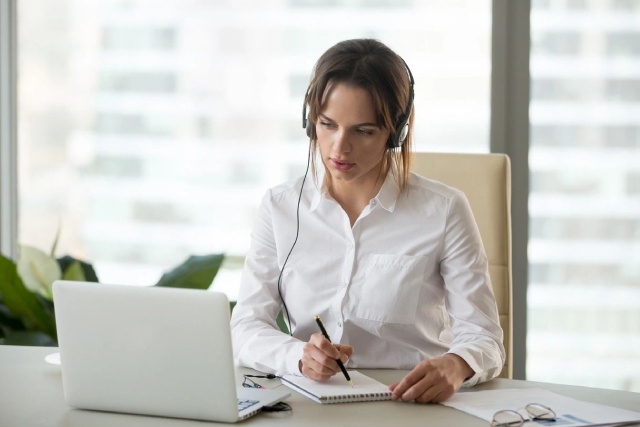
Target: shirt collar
{"points": [[320, 189], [387, 195]]}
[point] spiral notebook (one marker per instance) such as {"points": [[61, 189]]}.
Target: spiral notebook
{"points": [[337, 390]]}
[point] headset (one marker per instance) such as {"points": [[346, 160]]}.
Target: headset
{"points": [[395, 141], [402, 127]]}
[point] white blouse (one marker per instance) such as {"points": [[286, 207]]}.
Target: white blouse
{"points": [[408, 282]]}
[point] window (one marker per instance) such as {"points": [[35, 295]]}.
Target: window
{"points": [[150, 130], [584, 255]]}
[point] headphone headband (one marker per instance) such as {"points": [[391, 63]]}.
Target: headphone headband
{"points": [[402, 127]]}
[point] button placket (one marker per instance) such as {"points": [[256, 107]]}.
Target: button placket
{"points": [[345, 277], [349, 259]]}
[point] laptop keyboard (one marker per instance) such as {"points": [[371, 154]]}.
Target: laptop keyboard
{"points": [[244, 404]]}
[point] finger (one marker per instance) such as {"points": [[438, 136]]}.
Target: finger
{"points": [[434, 387], [319, 341], [433, 377], [318, 361], [418, 389], [326, 361], [313, 369], [344, 349], [393, 386], [441, 397], [345, 352], [435, 394], [426, 396], [311, 350], [314, 375], [409, 380], [442, 390]]}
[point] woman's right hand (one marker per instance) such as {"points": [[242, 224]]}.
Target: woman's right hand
{"points": [[319, 358]]}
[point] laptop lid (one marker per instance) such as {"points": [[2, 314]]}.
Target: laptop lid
{"points": [[148, 350]]}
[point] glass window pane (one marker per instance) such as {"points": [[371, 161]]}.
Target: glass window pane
{"points": [[584, 247], [149, 130]]}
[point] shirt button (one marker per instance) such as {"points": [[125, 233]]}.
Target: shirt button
{"points": [[373, 203], [340, 324]]}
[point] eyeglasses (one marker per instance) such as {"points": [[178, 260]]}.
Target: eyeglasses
{"points": [[248, 382], [535, 411]]}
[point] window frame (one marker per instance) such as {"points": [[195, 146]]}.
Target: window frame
{"points": [[8, 129], [510, 93]]}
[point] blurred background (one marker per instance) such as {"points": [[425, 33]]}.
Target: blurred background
{"points": [[148, 131]]}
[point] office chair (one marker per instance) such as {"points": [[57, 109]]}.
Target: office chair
{"points": [[486, 181]]}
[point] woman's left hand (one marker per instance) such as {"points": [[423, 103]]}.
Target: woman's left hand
{"points": [[433, 380]]}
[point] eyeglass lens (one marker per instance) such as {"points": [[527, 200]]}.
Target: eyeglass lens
{"points": [[540, 412], [248, 382], [507, 418]]}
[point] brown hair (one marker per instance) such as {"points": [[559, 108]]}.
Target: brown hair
{"points": [[372, 66]]}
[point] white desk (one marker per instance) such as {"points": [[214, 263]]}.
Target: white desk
{"points": [[31, 395]]}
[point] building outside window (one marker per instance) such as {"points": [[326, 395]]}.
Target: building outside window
{"points": [[149, 131], [584, 247]]}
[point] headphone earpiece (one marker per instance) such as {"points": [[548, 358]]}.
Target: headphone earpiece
{"points": [[307, 125], [309, 128], [403, 134], [402, 128]]}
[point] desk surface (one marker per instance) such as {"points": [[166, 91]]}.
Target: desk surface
{"points": [[31, 395]]}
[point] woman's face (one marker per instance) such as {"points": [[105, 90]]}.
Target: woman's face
{"points": [[351, 144]]}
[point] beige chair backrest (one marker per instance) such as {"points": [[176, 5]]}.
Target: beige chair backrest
{"points": [[486, 181]]}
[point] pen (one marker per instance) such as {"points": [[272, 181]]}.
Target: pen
{"points": [[326, 335]]}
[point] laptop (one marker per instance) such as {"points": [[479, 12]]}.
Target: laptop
{"points": [[153, 351]]}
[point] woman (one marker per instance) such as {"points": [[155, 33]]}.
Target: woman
{"points": [[391, 261]]}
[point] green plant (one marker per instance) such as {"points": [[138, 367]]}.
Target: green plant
{"points": [[27, 314]]}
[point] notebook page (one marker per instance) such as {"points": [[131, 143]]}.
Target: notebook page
{"points": [[336, 389]]}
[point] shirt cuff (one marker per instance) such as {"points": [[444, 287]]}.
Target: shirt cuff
{"points": [[294, 356], [472, 364]]}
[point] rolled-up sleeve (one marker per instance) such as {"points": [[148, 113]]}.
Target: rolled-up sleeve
{"points": [[258, 342], [470, 302]]}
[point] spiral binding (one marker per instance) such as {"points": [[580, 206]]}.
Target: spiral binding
{"points": [[362, 397]]}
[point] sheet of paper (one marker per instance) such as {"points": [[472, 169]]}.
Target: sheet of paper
{"points": [[569, 412]]}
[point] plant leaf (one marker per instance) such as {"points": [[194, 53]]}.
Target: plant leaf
{"points": [[8, 319], [197, 272], [282, 324], [47, 305], [33, 338], [87, 269], [38, 270], [55, 241], [22, 303], [74, 272]]}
